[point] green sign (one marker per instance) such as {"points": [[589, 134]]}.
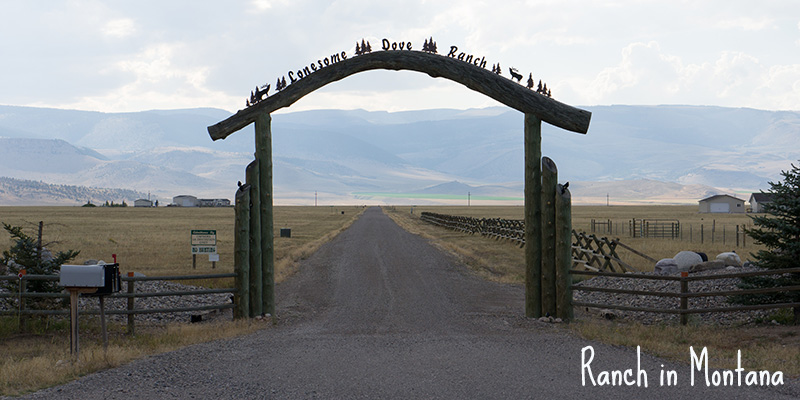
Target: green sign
{"points": [[204, 241]]}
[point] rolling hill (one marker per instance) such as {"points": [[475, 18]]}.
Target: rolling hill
{"points": [[643, 153]]}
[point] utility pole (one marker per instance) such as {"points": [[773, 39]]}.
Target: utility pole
{"points": [[607, 203], [468, 198], [315, 199]]}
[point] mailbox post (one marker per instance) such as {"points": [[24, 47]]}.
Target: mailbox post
{"points": [[98, 280]]}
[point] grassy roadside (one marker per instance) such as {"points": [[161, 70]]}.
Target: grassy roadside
{"points": [[34, 361], [775, 348], [40, 358]]}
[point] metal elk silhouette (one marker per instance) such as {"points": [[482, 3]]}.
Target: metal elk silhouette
{"points": [[258, 95]]}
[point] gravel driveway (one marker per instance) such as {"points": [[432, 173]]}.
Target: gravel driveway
{"points": [[380, 313]]}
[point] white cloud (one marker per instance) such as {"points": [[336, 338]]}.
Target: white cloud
{"points": [[735, 72], [746, 23], [158, 82], [119, 27], [622, 51], [639, 64], [781, 87], [260, 6], [646, 74]]}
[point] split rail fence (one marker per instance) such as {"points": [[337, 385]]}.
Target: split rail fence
{"points": [[130, 294], [589, 251]]}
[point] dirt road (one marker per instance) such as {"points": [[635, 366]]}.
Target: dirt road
{"points": [[380, 313]]}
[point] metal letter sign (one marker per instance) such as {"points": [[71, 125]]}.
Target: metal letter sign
{"points": [[204, 241]]}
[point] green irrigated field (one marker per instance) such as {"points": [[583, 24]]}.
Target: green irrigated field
{"points": [[156, 241], [505, 261]]}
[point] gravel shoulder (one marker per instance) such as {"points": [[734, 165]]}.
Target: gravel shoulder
{"points": [[380, 313]]}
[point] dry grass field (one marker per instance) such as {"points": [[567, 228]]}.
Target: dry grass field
{"points": [[490, 257], [156, 241], [153, 241]]}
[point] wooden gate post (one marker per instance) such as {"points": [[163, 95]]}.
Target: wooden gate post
{"points": [[264, 157], [563, 253], [548, 229], [533, 216], [255, 239], [241, 255]]}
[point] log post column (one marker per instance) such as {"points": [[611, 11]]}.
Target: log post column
{"points": [[563, 253], [533, 216], [549, 182], [242, 252], [264, 157], [256, 290]]}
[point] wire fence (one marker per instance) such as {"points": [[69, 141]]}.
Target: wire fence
{"points": [[703, 233]]}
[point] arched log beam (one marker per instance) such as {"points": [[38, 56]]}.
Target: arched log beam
{"points": [[476, 78]]}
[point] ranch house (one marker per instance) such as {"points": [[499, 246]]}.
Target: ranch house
{"points": [[722, 203], [757, 201]]}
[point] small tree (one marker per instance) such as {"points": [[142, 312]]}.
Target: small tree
{"points": [[779, 231], [28, 254]]}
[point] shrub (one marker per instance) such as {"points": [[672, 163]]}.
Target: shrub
{"points": [[28, 254]]}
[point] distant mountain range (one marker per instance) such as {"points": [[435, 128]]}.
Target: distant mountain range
{"points": [[634, 154], [24, 192]]}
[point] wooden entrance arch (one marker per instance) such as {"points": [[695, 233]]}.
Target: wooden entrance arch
{"points": [[255, 236]]}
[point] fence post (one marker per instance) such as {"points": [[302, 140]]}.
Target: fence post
{"points": [[131, 316], [22, 300], [713, 229], [737, 235], [563, 253], [533, 216], [267, 266], [684, 300], [241, 256], [255, 290], [548, 228]]}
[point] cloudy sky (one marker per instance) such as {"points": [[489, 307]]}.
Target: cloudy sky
{"points": [[141, 55]]}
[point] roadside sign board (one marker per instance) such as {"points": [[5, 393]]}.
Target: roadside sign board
{"points": [[204, 241]]}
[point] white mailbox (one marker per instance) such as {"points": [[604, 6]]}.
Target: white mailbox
{"points": [[83, 276]]}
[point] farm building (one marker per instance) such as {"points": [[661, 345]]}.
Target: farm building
{"points": [[185, 201], [142, 203], [721, 203], [757, 201]]}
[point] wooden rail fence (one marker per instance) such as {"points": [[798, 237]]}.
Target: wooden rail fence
{"points": [[589, 251], [684, 295], [131, 311], [499, 228]]}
